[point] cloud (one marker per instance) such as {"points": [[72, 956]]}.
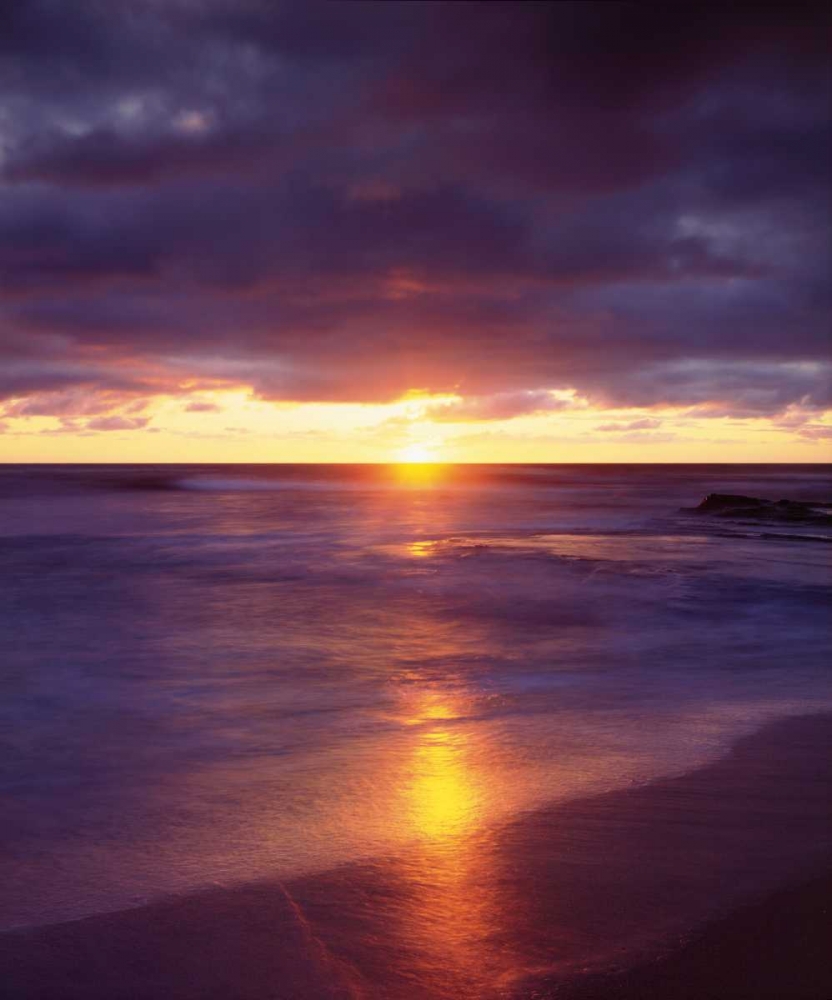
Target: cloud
{"points": [[643, 423], [816, 432], [105, 158], [116, 423], [629, 201], [63, 380], [499, 406], [74, 402], [648, 437], [202, 406]]}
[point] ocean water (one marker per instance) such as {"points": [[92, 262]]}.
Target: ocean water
{"points": [[214, 675]]}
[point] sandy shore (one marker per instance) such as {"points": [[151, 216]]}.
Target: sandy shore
{"points": [[775, 949], [710, 885]]}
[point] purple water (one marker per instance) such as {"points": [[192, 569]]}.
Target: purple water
{"points": [[220, 674]]}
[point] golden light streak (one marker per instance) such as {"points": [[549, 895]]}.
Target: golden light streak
{"points": [[455, 905]]}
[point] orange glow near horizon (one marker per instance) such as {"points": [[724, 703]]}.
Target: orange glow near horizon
{"points": [[417, 453], [234, 425]]}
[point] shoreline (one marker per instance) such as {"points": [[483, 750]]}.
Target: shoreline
{"points": [[769, 949], [545, 903]]}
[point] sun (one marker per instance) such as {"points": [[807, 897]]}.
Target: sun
{"points": [[416, 453]]}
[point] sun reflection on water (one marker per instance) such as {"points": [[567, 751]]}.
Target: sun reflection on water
{"points": [[454, 912], [446, 790], [421, 550], [444, 799], [419, 473]]}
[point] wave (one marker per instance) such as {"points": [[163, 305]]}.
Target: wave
{"points": [[156, 479], [227, 484]]}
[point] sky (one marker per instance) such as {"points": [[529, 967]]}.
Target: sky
{"points": [[234, 230]]}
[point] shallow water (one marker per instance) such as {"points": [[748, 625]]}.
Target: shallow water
{"points": [[219, 674]]}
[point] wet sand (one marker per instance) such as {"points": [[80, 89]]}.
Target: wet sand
{"points": [[706, 885], [776, 949]]}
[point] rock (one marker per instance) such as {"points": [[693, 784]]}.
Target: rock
{"points": [[716, 503], [736, 505]]}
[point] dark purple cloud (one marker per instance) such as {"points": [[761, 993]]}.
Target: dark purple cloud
{"points": [[345, 201], [103, 157]]}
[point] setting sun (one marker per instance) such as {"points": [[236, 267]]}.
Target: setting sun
{"points": [[417, 453]]}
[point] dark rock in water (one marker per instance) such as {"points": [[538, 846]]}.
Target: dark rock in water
{"points": [[735, 505], [720, 502]]}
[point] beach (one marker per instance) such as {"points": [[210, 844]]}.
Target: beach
{"points": [[509, 733], [600, 897]]}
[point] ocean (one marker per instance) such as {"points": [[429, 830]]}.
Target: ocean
{"points": [[215, 675]]}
